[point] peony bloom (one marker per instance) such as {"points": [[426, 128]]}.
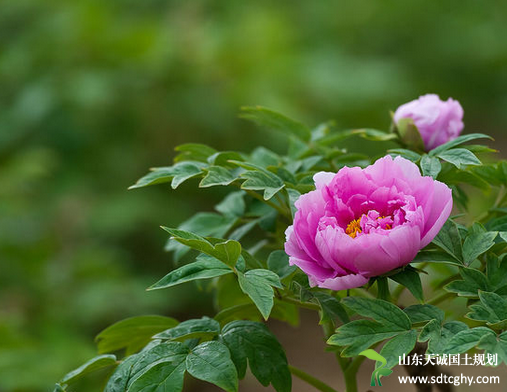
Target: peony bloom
{"points": [[437, 121], [361, 223]]}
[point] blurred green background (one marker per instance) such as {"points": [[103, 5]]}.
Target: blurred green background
{"points": [[93, 93]]}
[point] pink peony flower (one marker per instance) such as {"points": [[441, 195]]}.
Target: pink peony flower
{"points": [[437, 121], [361, 223]]}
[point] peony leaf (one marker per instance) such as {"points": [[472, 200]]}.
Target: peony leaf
{"points": [[191, 329], [99, 362], [430, 166], [258, 285], [205, 267], [217, 175], [379, 310], [439, 335], [459, 140], [211, 362], [275, 121], [466, 340], [476, 244], [252, 341], [423, 313], [459, 157], [396, 347], [132, 333], [177, 174], [409, 277]]}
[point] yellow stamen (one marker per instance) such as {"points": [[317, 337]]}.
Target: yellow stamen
{"points": [[353, 228]]}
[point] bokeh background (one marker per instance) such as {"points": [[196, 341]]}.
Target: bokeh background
{"points": [[93, 93]]}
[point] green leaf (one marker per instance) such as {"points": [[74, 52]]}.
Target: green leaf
{"points": [[495, 345], [404, 343], [430, 166], [222, 158], [217, 175], [379, 310], [459, 157], [495, 304], [408, 154], [232, 205], [132, 333], [59, 388], [374, 134], [260, 179], [119, 379], [204, 328], [276, 121], [473, 281], [193, 152], [178, 173], [449, 239], [330, 308], [434, 256], [258, 285], [423, 313], [99, 362], [359, 335], [409, 277], [293, 197], [456, 142], [228, 251], [160, 368], [278, 262], [266, 357], [476, 244], [205, 267], [440, 335], [466, 340], [211, 362]]}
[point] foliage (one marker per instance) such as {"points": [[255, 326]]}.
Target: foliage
{"points": [[264, 186]]}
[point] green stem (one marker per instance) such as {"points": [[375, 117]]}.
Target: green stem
{"points": [[321, 386], [397, 293], [281, 210], [383, 289], [307, 305]]}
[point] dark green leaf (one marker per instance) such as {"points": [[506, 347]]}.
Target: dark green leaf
{"points": [[409, 277], [439, 336], [205, 267], [459, 157], [278, 262], [374, 134], [473, 281], [232, 205], [119, 380], [260, 179], [404, 343], [466, 340], [379, 310], [408, 154], [199, 328], [492, 345], [178, 173], [430, 166], [476, 244], [449, 239], [276, 121], [217, 175], [434, 256], [456, 142], [258, 285], [422, 313], [159, 369], [330, 308], [132, 333], [211, 362], [253, 341], [193, 152]]}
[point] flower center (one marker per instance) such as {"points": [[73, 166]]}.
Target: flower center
{"points": [[354, 227], [372, 221]]}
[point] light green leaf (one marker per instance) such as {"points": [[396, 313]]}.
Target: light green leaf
{"points": [[459, 157], [119, 380], [99, 362], [430, 166], [266, 357], [409, 134], [408, 154], [132, 333], [258, 285], [275, 121], [260, 179], [374, 134], [178, 173], [232, 205], [211, 362], [193, 152]]}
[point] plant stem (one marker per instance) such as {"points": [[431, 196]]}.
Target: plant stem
{"points": [[321, 386], [383, 289], [307, 305]]}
